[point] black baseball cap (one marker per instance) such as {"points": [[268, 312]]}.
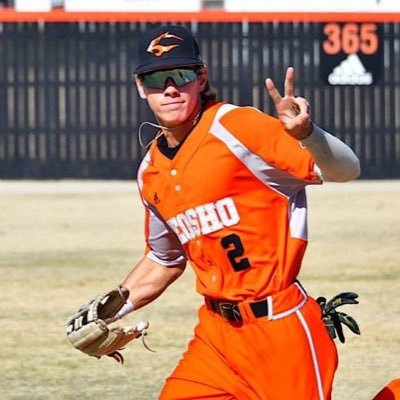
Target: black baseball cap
{"points": [[165, 47]]}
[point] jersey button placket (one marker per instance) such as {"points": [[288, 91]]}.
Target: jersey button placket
{"points": [[173, 172]]}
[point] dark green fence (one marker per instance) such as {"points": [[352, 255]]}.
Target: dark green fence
{"points": [[68, 107]]}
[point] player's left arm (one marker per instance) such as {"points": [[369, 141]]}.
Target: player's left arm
{"points": [[334, 160]]}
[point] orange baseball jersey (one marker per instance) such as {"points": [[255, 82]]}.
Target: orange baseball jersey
{"points": [[232, 201]]}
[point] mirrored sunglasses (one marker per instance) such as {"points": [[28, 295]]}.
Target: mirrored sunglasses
{"points": [[156, 80]]}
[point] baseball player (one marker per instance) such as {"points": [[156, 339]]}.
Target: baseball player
{"points": [[224, 189], [390, 392]]}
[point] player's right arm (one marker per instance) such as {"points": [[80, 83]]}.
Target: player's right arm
{"points": [[163, 263], [149, 279]]}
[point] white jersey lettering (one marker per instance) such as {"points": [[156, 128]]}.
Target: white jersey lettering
{"points": [[208, 218], [194, 221], [204, 219], [173, 223], [227, 211], [185, 225]]}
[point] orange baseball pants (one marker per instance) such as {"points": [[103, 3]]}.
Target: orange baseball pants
{"points": [[284, 356], [390, 392]]}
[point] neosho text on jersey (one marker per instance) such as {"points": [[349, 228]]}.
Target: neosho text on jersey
{"points": [[204, 219]]}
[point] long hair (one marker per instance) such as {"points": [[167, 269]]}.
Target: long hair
{"points": [[209, 93]]}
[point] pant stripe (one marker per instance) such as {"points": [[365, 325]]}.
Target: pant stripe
{"points": [[313, 354]]}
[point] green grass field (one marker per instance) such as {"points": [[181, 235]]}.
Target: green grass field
{"points": [[63, 242]]}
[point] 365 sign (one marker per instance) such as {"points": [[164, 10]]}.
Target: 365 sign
{"points": [[351, 53]]}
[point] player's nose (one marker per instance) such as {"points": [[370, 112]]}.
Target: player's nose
{"points": [[170, 85]]}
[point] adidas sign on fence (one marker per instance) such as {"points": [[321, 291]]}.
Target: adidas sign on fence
{"points": [[350, 71]]}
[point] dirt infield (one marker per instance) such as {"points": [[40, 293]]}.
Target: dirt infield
{"points": [[61, 242], [93, 186], [66, 186]]}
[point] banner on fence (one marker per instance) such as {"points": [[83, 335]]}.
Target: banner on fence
{"points": [[33, 5], [351, 54], [133, 5], [314, 5]]}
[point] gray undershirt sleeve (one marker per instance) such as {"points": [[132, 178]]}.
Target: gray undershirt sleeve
{"points": [[334, 160]]}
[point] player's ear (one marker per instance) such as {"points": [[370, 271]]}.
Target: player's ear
{"points": [[202, 77], [140, 87]]}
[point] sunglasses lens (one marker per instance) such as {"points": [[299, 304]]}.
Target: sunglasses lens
{"points": [[157, 79]]}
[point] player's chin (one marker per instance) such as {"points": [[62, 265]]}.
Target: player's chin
{"points": [[175, 118]]}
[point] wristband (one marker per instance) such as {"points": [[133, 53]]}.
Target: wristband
{"points": [[127, 308]]}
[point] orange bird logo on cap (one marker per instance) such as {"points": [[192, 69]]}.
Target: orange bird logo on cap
{"points": [[158, 49]]}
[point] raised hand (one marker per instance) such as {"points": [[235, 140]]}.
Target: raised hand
{"points": [[294, 112]]}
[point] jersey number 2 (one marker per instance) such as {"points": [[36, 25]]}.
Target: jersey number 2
{"points": [[235, 252]]}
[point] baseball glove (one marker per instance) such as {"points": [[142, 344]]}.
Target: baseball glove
{"points": [[88, 331], [333, 319]]}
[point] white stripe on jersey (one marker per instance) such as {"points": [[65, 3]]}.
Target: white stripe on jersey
{"points": [[280, 181], [143, 165], [164, 244]]}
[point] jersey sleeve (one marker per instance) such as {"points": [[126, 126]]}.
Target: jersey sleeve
{"points": [[162, 244], [265, 136]]}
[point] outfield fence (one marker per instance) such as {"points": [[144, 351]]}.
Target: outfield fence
{"points": [[69, 108]]}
